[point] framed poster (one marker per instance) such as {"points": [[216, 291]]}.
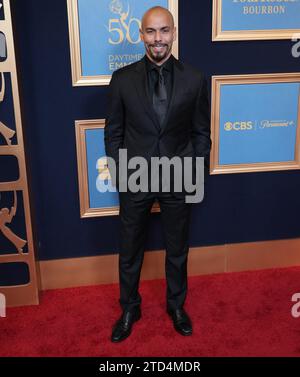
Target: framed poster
{"points": [[104, 36], [255, 123], [235, 20], [93, 172]]}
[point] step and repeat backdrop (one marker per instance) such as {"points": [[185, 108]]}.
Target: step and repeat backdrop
{"points": [[67, 52], [255, 118]]}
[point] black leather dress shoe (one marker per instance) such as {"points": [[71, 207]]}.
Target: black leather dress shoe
{"points": [[181, 321], [122, 328]]}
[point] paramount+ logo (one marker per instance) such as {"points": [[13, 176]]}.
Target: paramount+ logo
{"points": [[239, 126]]}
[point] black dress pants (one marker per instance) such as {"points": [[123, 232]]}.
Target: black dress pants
{"points": [[134, 217]]}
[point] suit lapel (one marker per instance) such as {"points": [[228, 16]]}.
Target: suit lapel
{"points": [[141, 85]]}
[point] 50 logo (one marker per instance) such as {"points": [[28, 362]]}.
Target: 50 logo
{"points": [[123, 27]]}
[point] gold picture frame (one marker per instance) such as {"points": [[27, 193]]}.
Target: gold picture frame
{"points": [[217, 81], [81, 126], [241, 35], [78, 79]]}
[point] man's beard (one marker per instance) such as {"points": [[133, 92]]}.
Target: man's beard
{"points": [[158, 56]]}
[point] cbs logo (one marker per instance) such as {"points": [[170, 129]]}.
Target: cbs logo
{"points": [[238, 126]]}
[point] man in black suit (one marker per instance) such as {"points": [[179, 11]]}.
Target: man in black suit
{"points": [[158, 107]]}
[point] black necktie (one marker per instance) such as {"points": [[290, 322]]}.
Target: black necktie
{"points": [[160, 99]]}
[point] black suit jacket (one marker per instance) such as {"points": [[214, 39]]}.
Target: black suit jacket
{"points": [[131, 122]]}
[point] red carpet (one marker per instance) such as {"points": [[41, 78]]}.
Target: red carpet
{"points": [[238, 314]]}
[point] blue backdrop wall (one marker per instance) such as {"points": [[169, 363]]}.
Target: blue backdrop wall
{"points": [[237, 208]]}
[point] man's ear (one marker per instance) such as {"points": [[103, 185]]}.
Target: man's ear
{"points": [[141, 34], [174, 34]]}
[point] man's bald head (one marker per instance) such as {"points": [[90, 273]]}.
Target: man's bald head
{"points": [[157, 11], [158, 34]]}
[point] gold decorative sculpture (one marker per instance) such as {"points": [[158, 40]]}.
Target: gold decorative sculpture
{"points": [[6, 217], [23, 293], [7, 133]]}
